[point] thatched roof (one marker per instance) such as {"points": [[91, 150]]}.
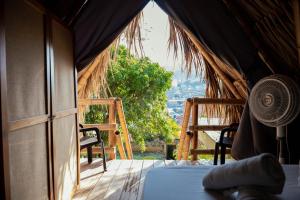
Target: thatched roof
{"points": [[270, 25]]}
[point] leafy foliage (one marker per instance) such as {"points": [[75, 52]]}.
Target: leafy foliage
{"points": [[142, 85]]}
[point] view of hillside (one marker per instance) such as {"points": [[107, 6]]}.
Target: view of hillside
{"points": [[183, 87]]}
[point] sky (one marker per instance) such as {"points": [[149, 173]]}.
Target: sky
{"points": [[155, 34]]}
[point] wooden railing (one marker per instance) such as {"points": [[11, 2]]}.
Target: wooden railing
{"points": [[188, 138], [115, 108]]}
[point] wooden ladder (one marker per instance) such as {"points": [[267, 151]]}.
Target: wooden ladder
{"points": [[115, 107], [189, 134]]}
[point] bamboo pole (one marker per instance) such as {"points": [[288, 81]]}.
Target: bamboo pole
{"points": [[195, 131], [88, 72], [122, 119], [197, 100], [296, 11], [120, 145], [242, 90], [111, 134], [185, 122], [187, 142], [214, 65]]}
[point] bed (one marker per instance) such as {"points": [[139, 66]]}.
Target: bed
{"points": [[185, 183]]}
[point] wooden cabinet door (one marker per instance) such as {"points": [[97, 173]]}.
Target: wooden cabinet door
{"points": [[39, 127], [28, 113], [64, 112]]}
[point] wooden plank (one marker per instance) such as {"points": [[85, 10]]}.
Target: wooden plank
{"points": [[131, 187], [170, 163], [105, 181], [147, 165], [120, 145], [206, 151], [124, 128], [195, 112], [102, 127], [89, 176], [23, 123], [186, 147], [185, 122], [208, 127], [111, 136], [115, 188], [65, 113], [84, 102], [98, 150], [198, 100]]}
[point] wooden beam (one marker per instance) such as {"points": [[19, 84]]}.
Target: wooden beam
{"points": [[186, 148], [23, 123], [102, 101], [197, 100], [207, 127], [111, 136], [185, 122], [120, 145], [98, 150], [242, 90], [195, 132], [102, 127], [206, 151], [122, 119]]}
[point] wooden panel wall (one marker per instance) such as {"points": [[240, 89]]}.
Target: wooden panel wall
{"points": [[38, 89]]}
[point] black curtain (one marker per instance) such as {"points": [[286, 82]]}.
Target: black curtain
{"points": [[99, 23]]}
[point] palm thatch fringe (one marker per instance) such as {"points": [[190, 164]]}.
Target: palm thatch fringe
{"points": [[218, 75], [92, 79]]}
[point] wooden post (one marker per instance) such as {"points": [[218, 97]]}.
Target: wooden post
{"points": [[111, 134], [120, 145], [195, 131], [185, 122], [187, 142], [124, 127]]}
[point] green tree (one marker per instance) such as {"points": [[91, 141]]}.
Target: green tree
{"points": [[142, 85]]}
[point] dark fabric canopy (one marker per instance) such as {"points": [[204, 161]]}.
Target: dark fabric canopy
{"points": [[99, 23]]}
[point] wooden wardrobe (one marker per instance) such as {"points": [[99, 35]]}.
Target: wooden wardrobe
{"points": [[39, 146]]}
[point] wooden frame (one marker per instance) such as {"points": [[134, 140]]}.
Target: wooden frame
{"points": [[4, 150], [50, 91], [191, 105], [115, 107]]}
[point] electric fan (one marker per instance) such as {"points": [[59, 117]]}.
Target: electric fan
{"points": [[274, 101]]}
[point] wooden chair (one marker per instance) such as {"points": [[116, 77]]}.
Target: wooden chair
{"points": [[89, 141], [225, 141]]}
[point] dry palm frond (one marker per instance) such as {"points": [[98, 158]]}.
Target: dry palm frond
{"points": [[92, 81], [132, 34], [218, 85], [179, 41]]}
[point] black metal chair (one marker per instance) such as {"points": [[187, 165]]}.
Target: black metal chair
{"points": [[225, 141], [89, 141]]}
